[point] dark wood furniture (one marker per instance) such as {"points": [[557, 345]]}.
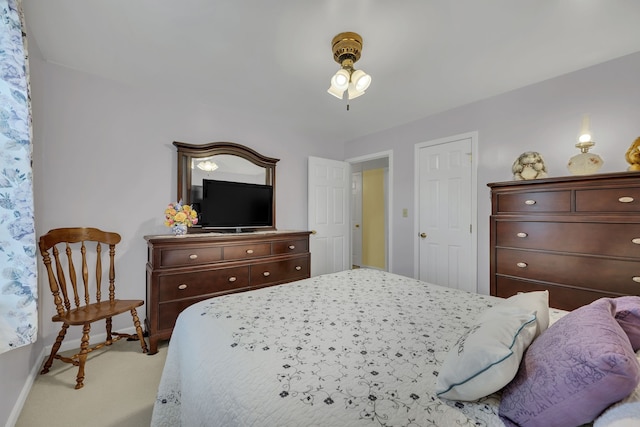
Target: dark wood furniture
{"points": [[78, 293], [182, 270], [577, 236]]}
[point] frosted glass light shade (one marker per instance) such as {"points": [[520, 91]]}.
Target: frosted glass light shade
{"points": [[585, 130], [353, 92], [340, 79], [361, 80], [335, 92]]}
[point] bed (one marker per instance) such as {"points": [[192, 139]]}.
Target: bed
{"points": [[355, 348]]}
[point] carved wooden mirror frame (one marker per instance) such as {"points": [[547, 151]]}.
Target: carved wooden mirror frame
{"points": [[189, 153]]}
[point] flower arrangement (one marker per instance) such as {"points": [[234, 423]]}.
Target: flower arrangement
{"points": [[177, 213]]}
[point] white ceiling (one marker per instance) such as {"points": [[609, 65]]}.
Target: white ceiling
{"points": [[274, 57]]}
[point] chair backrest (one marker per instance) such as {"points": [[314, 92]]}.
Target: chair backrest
{"points": [[64, 273]]}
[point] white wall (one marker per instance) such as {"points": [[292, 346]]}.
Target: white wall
{"points": [[544, 117]]}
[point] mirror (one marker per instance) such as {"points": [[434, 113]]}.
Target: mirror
{"points": [[224, 161]]}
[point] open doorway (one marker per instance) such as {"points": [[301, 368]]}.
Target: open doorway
{"points": [[371, 196]]}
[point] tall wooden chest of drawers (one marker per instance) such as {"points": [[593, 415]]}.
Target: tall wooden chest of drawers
{"points": [[577, 236], [182, 270]]}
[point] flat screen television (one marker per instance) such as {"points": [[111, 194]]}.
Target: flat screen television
{"points": [[235, 206]]}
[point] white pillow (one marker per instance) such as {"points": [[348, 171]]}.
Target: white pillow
{"points": [[487, 357], [537, 301]]}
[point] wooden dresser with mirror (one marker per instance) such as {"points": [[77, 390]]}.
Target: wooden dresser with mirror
{"points": [[212, 261], [576, 236]]}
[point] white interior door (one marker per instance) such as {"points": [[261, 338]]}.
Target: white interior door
{"points": [[329, 220], [445, 217]]}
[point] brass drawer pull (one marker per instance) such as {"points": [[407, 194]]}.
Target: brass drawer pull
{"points": [[636, 240], [522, 264], [193, 256], [298, 268], [625, 199], [292, 247], [249, 251], [233, 279], [636, 279], [266, 274], [182, 287], [529, 202], [521, 234]]}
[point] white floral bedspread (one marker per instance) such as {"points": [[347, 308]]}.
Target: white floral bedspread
{"points": [[355, 348]]}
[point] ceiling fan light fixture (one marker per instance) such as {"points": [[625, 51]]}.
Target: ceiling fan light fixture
{"points": [[347, 48], [207, 166]]}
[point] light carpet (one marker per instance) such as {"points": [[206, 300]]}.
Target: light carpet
{"points": [[120, 387]]}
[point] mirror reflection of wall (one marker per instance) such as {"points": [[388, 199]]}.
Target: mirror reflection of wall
{"points": [[222, 167], [229, 168]]}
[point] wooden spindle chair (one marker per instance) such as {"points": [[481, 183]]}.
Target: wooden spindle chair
{"points": [[59, 244]]}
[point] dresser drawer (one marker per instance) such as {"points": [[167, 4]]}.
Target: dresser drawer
{"points": [[184, 270], [280, 271], [186, 285], [291, 247], [562, 297], [247, 251], [168, 312], [534, 201], [608, 200], [189, 256], [581, 271], [613, 239]]}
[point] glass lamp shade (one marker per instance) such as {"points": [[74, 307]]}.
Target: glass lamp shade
{"points": [[335, 92], [340, 79], [361, 80], [339, 83], [585, 134], [354, 92], [585, 137]]}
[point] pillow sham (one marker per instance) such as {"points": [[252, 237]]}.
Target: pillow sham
{"points": [[537, 301], [572, 372], [624, 415], [628, 317], [487, 356]]}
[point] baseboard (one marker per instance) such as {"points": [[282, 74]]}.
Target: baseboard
{"points": [[35, 370], [26, 389]]}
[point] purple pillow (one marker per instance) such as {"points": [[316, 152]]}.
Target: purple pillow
{"points": [[573, 371], [628, 317]]}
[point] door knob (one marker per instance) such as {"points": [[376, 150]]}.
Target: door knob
{"points": [[314, 232], [423, 235]]}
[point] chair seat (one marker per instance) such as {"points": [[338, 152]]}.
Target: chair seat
{"points": [[96, 311]]}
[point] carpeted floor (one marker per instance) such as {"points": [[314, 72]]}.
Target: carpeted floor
{"points": [[119, 390]]}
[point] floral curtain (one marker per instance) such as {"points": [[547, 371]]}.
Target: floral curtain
{"points": [[18, 284]]}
